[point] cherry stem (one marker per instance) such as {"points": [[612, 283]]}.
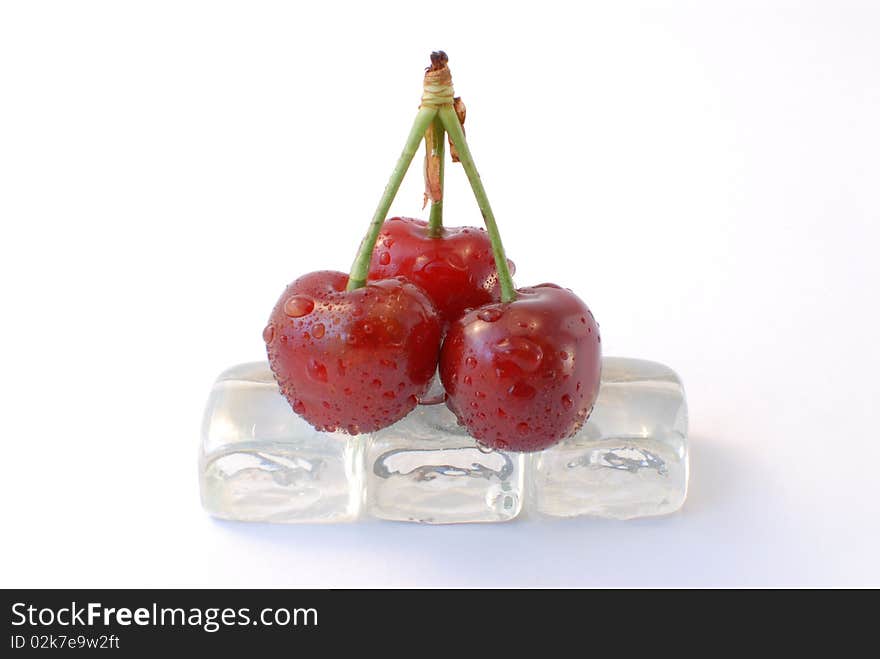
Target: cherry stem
{"points": [[435, 220], [456, 134], [361, 266]]}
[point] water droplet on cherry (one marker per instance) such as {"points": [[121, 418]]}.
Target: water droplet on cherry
{"points": [[567, 402], [384, 258], [269, 333], [489, 314], [318, 330], [523, 352], [522, 428], [522, 390], [317, 371], [456, 262], [298, 306]]}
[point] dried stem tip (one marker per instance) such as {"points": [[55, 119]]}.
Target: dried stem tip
{"points": [[438, 61], [438, 82]]}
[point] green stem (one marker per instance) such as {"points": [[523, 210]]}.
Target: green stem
{"points": [[361, 266], [453, 127], [435, 220]]}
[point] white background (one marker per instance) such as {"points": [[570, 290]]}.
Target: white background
{"points": [[704, 175]]}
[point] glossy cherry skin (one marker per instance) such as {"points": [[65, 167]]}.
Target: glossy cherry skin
{"points": [[524, 375], [456, 270], [355, 361]]}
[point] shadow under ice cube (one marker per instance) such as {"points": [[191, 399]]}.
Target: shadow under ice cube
{"points": [[261, 462], [426, 468], [630, 458]]}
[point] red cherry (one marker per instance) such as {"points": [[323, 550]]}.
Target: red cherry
{"points": [[356, 360], [523, 375], [456, 270]]}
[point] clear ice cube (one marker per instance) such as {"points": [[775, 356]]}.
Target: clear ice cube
{"points": [[261, 462], [426, 468], [630, 459]]}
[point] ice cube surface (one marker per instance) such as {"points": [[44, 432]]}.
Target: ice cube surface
{"points": [[426, 468], [630, 459], [261, 462]]}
